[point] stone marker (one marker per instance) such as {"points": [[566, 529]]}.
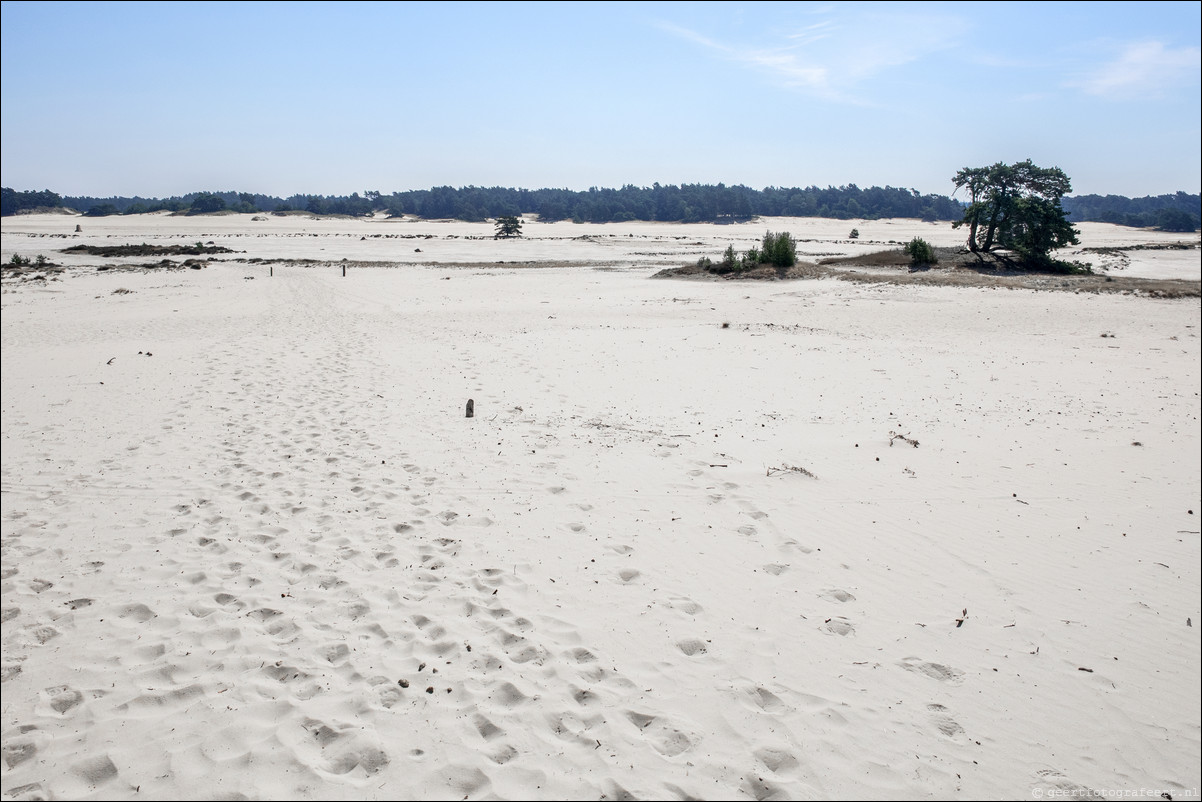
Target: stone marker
{"points": [[471, 408]]}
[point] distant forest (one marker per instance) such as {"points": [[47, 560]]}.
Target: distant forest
{"points": [[687, 203]]}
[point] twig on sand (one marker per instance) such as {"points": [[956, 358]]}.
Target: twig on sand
{"points": [[895, 436], [791, 469]]}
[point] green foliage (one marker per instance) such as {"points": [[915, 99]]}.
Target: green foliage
{"points": [[1176, 220], [920, 252], [103, 210], [206, 202], [690, 203], [715, 203], [1138, 212], [18, 260], [779, 250], [730, 260], [1016, 207], [246, 203], [1035, 227], [508, 226], [855, 234], [12, 201]]}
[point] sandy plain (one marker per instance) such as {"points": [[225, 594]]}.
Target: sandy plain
{"points": [[253, 548]]}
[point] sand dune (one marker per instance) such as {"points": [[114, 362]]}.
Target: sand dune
{"points": [[253, 548]]}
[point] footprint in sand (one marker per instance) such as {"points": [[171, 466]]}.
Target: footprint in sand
{"points": [[766, 700], [778, 761], [138, 612], [838, 626], [488, 731], [933, 670], [502, 755], [683, 604], [24, 746], [664, 738], [506, 694], [95, 771], [760, 789], [60, 699], [944, 722]]}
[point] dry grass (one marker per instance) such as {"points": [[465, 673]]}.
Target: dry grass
{"points": [[955, 269], [790, 469]]}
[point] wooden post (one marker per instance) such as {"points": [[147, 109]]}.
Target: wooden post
{"points": [[344, 271], [270, 271], [471, 408]]}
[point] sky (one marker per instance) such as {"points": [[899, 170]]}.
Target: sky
{"points": [[160, 99]]}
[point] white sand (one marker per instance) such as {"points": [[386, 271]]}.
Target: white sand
{"points": [[222, 554], [635, 244]]}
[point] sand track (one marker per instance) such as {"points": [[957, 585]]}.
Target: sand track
{"points": [[273, 559]]}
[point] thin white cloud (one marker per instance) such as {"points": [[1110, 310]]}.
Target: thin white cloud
{"points": [[781, 64], [1143, 69], [814, 33], [832, 59]]}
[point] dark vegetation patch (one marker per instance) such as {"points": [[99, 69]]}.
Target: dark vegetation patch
{"points": [[198, 249], [956, 268], [164, 264], [992, 262], [23, 268], [1111, 250]]}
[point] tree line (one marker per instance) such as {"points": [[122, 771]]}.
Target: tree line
{"points": [[688, 203], [1177, 212]]}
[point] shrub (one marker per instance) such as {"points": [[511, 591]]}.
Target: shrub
{"points": [[730, 259], [780, 249], [855, 234], [920, 252]]}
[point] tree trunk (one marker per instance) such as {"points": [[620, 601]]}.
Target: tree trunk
{"points": [[989, 232]]}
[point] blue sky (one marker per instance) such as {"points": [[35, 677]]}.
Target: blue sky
{"points": [[157, 99]]}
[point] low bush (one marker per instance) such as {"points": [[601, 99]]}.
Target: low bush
{"points": [[779, 250], [920, 252]]}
